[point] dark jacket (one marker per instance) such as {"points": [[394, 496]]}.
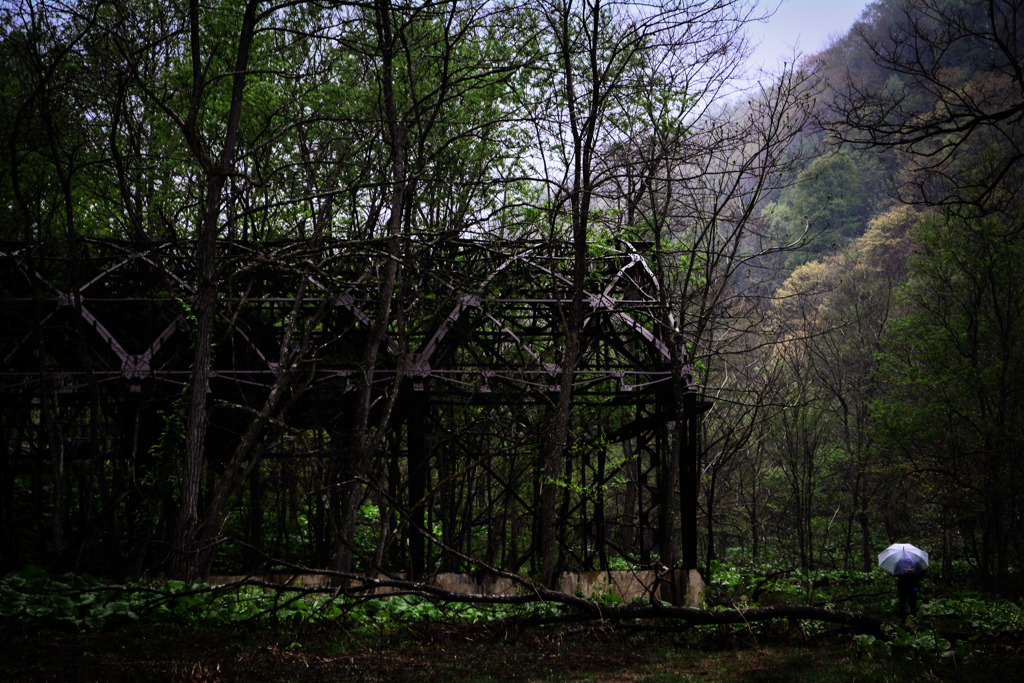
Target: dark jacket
{"points": [[909, 582]]}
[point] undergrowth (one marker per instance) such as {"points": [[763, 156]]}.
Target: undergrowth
{"points": [[36, 596], [74, 627]]}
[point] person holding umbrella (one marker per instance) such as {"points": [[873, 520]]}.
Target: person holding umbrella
{"points": [[908, 564]]}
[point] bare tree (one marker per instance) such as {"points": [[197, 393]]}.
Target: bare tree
{"points": [[637, 145], [954, 102]]}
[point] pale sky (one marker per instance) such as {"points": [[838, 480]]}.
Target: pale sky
{"points": [[806, 24]]}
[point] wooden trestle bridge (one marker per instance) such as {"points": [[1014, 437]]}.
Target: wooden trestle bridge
{"points": [[96, 350]]}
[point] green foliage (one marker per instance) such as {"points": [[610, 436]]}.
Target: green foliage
{"points": [[368, 529], [925, 646], [977, 613], [36, 596], [618, 563], [833, 200], [33, 595], [952, 377], [751, 585]]}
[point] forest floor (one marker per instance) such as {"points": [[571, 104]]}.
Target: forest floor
{"points": [[434, 653]]}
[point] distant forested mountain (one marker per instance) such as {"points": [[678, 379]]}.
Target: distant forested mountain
{"points": [[904, 306]]}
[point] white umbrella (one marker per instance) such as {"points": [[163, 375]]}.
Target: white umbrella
{"points": [[902, 558]]}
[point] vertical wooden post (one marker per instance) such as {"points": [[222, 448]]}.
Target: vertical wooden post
{"points": [[688, 432], [416, 440]]}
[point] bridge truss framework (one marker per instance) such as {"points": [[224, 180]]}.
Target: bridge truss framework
{"points": [[97, 348]]}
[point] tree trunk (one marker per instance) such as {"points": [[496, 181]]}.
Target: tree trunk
{"points": [[364, 442], [417, 504], [184, 560], [865, 539]]}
